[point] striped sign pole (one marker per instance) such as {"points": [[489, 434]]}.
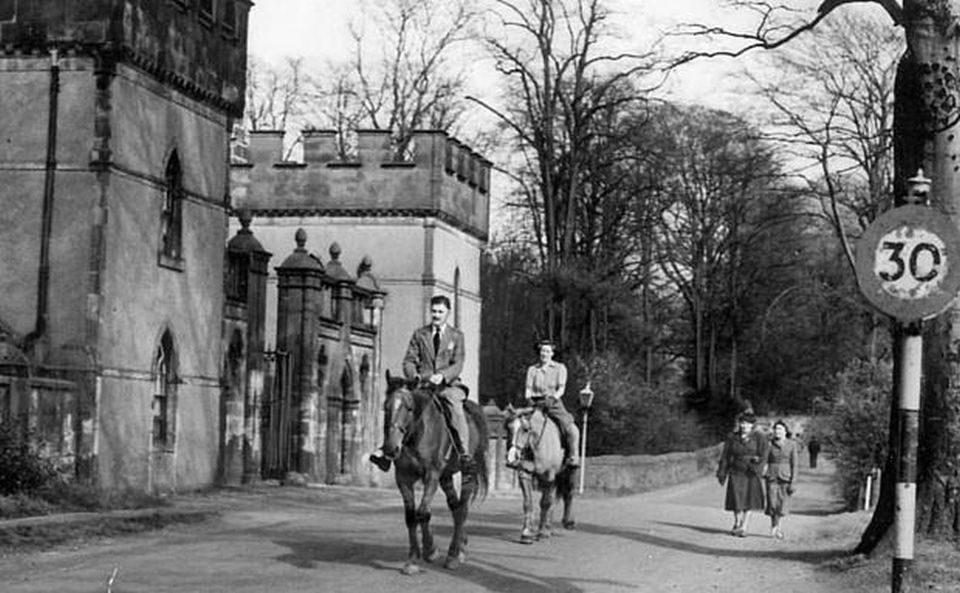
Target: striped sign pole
{"points": [[911, 357], [904, 269]]}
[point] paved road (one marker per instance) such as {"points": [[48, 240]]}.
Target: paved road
{"points": [[344, 539]]}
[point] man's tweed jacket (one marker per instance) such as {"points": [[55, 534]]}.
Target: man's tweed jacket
{"points": [[421, 361]]}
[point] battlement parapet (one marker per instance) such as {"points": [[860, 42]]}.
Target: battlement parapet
{"points": [[437, 176], [199, 48], [429, 148]]}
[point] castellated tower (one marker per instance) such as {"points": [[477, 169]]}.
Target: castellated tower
{"points": [[114, 140], [423, 221]]}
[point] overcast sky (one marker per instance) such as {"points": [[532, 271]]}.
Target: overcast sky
{"points": [[318, 31]]}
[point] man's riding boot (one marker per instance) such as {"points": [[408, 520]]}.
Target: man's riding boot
{"points": [[461, 431], [464, 461], [380, 461]]}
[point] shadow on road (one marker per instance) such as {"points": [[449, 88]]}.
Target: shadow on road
{"points": [[309, 552], [808, 556]]}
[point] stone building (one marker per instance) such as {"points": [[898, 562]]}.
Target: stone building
{"points": [[423, 220], [142, 347], [311, 405], [114, 134]]}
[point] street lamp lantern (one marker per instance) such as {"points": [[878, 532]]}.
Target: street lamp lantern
{"points": [[586, 397], [918, 188], [586, 402]]}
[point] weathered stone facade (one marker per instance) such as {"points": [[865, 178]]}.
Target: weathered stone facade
{"points": [[329, 415], [113, 176], [423, 221], [143, 348]]}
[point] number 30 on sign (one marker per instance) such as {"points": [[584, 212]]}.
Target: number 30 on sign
{"points": [[908, 262]]}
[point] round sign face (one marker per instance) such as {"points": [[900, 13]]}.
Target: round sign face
{"points": [[908, 262]]}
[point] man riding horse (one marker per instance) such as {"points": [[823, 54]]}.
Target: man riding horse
{"points": [[545, 385], [435, 355]]}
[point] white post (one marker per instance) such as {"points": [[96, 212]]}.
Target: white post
{"points": [[586, 401], [904, 514], [867, 493]]}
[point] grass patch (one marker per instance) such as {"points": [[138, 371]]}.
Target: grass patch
{"points": [[42, 536], [63, 497], [936, 567]]}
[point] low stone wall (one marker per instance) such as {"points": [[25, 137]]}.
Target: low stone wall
{"points": [[618, 475]]}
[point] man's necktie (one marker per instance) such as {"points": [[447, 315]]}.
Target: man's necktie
{"points": [[436, 342]]}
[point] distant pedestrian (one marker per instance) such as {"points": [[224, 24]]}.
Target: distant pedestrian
{"points": [[781, 460], [813, 447], [741, 467]]}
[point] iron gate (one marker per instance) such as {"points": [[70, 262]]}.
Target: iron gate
{"points": [[279, 418]]}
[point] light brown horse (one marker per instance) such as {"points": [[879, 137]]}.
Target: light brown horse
{"points": [[419, 441], [536, 451]]}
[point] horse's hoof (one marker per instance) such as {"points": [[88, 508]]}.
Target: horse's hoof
{"points": [[525, 539], [411, 568], [569, 524], [544, 535], [452, 562], [432, 556]]}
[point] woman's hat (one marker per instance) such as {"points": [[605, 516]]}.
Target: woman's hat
{"points": [[747, 417]]}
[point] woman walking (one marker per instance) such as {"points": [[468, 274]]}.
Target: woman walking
{"points": [[741, 466], [782, 458]]}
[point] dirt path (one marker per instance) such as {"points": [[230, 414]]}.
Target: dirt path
{"points": [[341, 539]]}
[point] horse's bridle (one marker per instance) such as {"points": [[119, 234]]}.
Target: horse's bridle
{"points": [[400, 403], [525, 427]]}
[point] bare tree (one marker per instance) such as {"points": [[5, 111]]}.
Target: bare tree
{"points": [[833, 109], [716, 171], [550, 55], [276, 95], [401, 76], [927, 115], [409, 79]]}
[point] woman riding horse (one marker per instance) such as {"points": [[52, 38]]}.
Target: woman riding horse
{"points": [[537, 455]]}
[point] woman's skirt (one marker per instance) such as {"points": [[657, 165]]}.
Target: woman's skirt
{"points": [[777, 498], [744, 493]]}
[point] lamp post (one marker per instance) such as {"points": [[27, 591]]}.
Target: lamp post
{"points": [[586, 401]]}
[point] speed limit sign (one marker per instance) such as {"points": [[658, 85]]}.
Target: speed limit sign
{"points": [[908, 262]]}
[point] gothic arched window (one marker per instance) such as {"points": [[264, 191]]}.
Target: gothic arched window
{"points": [[229, 16], [171, 221], [164, 392], [206, 11]]}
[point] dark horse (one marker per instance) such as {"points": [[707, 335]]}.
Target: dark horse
{"points": [[536, 451], [417, 438]]}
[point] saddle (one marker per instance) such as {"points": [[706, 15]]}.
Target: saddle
{"points": [[434, 393], [526, 412]]}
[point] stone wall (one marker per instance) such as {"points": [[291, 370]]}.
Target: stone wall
{"points": [[620, 475], [615, 475]]}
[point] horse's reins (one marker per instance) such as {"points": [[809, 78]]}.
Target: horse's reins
{"points": [[398, 427], [436, 402], [543, 428]]}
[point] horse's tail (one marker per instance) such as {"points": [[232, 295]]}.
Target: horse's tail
{"points": [[474, 411]]}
